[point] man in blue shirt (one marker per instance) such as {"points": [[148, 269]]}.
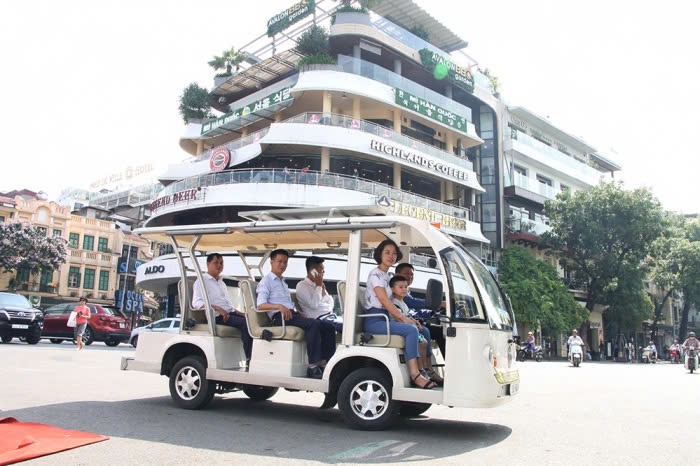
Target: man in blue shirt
{"points": [[417, 306], [274, 297]]}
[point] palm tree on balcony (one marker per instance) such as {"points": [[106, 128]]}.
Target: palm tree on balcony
{"points": [[228, 60]]}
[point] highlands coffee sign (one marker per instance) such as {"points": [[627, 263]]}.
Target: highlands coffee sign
{"points": [[291, 15], [186, 196], [283, 95], [430, 110], [444, 68], [421, 161]]}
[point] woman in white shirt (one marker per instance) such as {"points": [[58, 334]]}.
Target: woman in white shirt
{"points": [[378, 301]]}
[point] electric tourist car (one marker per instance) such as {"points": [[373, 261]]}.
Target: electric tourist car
{"points": [[369, 380]]}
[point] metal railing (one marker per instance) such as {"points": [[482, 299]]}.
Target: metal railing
{"points": [[134, 196], [534, 186], [236, 143], [344, 121], [314, 178]]}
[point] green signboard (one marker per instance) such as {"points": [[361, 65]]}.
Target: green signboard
{"points": [[443, 67], [430, 110], [278, 97], [291, 15]]}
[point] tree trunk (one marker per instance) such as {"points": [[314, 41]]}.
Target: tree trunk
{"points": [[658, 311], [684, 317], [585, 327]]}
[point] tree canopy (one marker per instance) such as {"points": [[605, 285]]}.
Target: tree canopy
{"points": [[195, 103], [228, 60], [537, 294], [22, 246]]}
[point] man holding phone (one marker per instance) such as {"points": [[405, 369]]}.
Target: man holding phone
{"points": [[314, 300]]}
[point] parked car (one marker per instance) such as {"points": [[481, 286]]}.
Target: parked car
{"points": [[169, 325], [19, 319], [106, 324]]}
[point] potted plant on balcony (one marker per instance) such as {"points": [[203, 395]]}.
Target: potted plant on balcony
{"points": [[316, 47], [228, 60], [195, 104]]}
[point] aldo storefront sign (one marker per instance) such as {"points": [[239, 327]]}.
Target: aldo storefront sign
{"points": [[291, 15], [152, 269]]}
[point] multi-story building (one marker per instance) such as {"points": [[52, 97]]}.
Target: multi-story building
{"points": [[398, 123], [94, 249]]}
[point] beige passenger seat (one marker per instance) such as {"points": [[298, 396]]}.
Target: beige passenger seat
{"points": [[201, 317], [389, 341], [259, 321]]}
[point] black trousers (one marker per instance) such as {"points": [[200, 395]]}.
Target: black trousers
{"points": [[234, 320], [320, 339]]}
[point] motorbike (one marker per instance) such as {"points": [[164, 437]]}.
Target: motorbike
{"points": [[691, 359], [648, 356], [524, 354], [576, 355], [674, 355]]}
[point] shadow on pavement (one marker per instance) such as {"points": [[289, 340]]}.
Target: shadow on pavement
{"points": [[300, 432]]}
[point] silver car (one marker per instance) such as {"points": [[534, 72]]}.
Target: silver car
{"points": [[169, 325]]}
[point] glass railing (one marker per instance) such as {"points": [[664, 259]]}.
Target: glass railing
{"points": [[534, 186], [369, 70], [133, 196], [411, 40], [573, 166], [314, 178], [236, 144], [528, 226], [344, 121]]}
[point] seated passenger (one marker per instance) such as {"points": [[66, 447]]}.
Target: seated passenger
{"points": [[399, 290], [378, 301], [314, 300], [417, 307], [218, 299], [273, 296]]}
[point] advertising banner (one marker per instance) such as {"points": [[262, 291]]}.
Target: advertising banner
{"points": [[278, 97], [430, 110], [291, 15], [443, 67], [133, 302]]}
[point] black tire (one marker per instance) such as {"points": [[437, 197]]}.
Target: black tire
{"points": [[112, 343], [56, 341], [34, 339], [411, 409], [6, 339], [189, 387], [135, 341], [259, 393], [538, 357], [376, 413], [520, 356], [88, 336]]}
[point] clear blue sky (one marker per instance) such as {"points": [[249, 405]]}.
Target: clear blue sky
{"points": [[90, 87]]}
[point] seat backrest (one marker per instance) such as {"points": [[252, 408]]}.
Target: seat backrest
{"points": [[186, 302], [257, 321], [359, 304]]}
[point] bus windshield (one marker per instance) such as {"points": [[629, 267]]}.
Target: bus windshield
{"points": [[499, 313]]}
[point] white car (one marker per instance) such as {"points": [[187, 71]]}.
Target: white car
{"points": [[169, 325]]}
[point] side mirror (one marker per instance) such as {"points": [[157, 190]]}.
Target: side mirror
{"points": [[433, 295]]}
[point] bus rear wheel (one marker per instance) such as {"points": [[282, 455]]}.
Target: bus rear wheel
{"points": [[364, 398]]}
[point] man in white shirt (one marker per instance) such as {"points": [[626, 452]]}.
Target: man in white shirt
{"points": [[275, 299], [314, 300], [219, 301]]}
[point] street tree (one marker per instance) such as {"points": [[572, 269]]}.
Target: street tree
{"points": [[537, 294], [602, 236], [24, 247], [195, 103]]}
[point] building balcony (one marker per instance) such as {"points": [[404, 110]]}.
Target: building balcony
{"points": [[263, 188], [90, 257], [546, 156], [528, 189]]}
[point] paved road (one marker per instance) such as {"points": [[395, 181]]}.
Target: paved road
{"points": [[601, 413]]}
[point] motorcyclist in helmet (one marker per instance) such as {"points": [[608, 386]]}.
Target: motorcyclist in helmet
{"points": [[574, 339], [691, 341], [652, 347]]}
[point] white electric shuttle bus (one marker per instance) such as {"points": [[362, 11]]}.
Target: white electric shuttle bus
{"points": [[368, 380]]}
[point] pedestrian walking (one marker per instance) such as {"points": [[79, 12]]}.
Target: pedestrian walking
{"points": [[82, 315]]}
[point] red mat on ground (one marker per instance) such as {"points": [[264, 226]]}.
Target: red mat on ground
{"points": [[21, 441]]}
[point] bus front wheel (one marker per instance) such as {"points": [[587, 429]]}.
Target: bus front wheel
{"points": [[364, 398], [189, 387]]}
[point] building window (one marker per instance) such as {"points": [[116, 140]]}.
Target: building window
{"points": [[564, 187], [520, 170], [45, 281], [74, 277], [22, 275], [73, 239], [104, 280], [57, 233], [89, 280], [543, 180], [88, 242], [2, 218], [102, 244], [42, 230]]}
